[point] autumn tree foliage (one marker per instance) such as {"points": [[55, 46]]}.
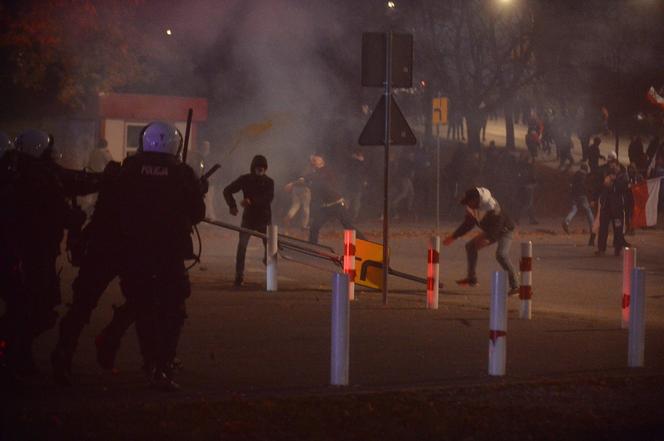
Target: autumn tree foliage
{"points": [[72, 49]]}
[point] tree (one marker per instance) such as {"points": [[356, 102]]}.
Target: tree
{"points": [[73, 49], [480, 54]]}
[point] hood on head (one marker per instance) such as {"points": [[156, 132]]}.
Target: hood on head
{"points": [[258, 161]]}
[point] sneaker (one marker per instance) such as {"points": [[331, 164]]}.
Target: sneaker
{"points": [[600, 253], [468, 281], [513, 291], [565, 227]]}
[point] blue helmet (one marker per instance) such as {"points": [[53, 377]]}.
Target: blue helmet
{"points": [[161, 137], [5, 143], [34, 142]]}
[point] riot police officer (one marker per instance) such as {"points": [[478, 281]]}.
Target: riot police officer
{"points": [[161, 201], [99, 265], [35, 215]]}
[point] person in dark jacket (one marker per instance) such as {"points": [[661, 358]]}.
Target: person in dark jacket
{"points": [[257, 194], [326, 200], [612, 209], [161, 201], [579, 196], [484, 211], [594, 154], [526, 184]]}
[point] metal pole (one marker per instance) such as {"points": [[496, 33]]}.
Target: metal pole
{"points": [[272, 258], [438, 179], [498, 324], [637, 319], [433, 272], [526, 289], [340, 344], [386, 204], [629, 263]]}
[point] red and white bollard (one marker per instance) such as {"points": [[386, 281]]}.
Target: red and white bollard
{"points": [[498, 324], [526, 288], [433, 272], [349, 261], [629, 263]]}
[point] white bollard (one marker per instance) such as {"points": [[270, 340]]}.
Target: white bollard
{"points": [[498, 324], [637, 319], [272, 258], [629, 262], [340, 346], [349, 261], [433, 272], [526, 288]]}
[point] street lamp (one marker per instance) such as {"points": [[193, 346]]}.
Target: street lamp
{"points": [[169, 32], [391, 4]]}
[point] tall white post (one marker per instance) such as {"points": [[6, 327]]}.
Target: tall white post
{"points": [[637, 319], [629, 262], [349, 261], [498, 324], [526, 289], [272, 258], [340, 347], [433, 272]]}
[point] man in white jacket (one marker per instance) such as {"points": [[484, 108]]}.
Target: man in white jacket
{"points": [[484, 211]]}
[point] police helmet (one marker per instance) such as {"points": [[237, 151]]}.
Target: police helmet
{"points": [[161, 137], [5, 143], [34, 142]]}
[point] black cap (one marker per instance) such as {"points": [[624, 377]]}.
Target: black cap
{"points": [[471, 193]]}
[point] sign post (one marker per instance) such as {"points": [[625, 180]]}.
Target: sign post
{"points": [[439, 118], [387, 61]]}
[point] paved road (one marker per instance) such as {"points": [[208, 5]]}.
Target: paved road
{"points": [[247, 340]]}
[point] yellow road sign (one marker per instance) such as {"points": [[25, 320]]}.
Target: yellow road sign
{"points": [[440, 110], [368, 264]]}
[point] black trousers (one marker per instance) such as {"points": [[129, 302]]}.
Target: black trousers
{"points": [[30, 307], [618, 233], [241, 253], [98, 269], [158, 298], [321, 215]]}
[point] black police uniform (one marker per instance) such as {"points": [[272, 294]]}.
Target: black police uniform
{"points": [[35, 214], [100, 264], [160, 201], [259, 190]]}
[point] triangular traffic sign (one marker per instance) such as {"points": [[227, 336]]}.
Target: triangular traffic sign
{"points": [[374, 131]]}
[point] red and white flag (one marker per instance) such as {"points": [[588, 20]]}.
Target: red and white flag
{"points": [[655, 98], [646, 198]]}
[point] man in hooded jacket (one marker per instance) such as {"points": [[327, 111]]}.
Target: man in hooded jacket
{"points": [[257, 194]]}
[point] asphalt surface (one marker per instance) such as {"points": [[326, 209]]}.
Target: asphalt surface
{"points": [[244, 340]]}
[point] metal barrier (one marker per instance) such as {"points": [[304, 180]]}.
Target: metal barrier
{"points": [[292, 248]]}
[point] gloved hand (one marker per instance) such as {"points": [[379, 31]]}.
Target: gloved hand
{"points": [[204, 185]]}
